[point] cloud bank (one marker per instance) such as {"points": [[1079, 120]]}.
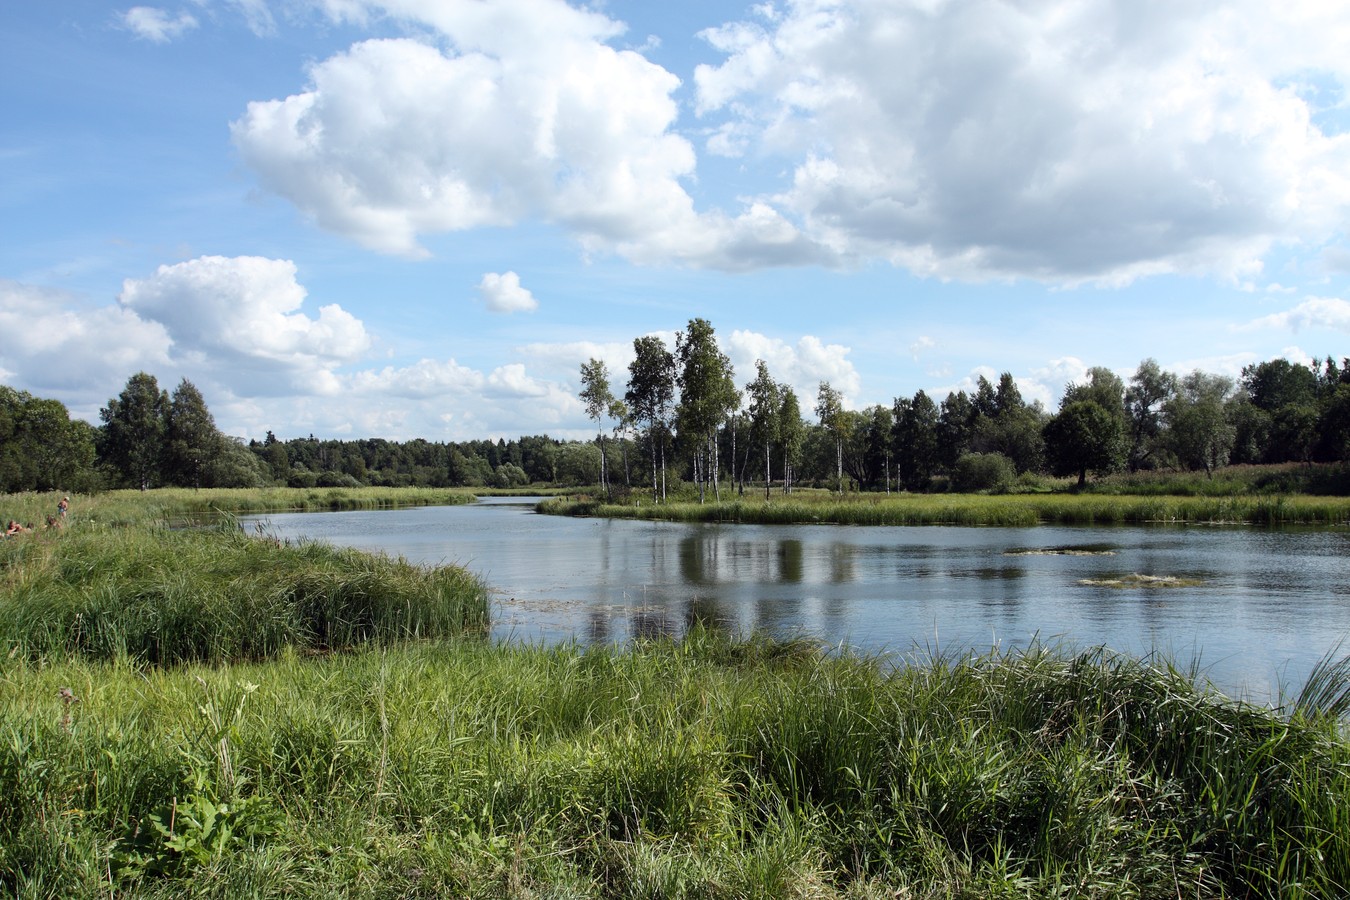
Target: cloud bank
{"points": [[1069, 141]]}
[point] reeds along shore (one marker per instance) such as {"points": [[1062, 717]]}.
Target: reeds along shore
{"points": [[1017, 510], [208, 713]]}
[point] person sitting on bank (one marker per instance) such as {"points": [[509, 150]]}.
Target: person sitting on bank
{"points": [[14, 528]]}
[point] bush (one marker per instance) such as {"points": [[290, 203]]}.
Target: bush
{"points": [[992, 472]]}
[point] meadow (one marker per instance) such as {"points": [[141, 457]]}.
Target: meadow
{"points": [[385, 749]]}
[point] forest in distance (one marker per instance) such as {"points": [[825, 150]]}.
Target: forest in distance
{"points": [[682, 416]]}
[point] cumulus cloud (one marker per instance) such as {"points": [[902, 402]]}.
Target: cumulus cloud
{"points": [[154, 24], [1073, 140], [565, 358], [527, 114], [243, 314], [1331, 313], [803, 365], [1068, 141], [52, 345], [236, 328], [503, 293]]}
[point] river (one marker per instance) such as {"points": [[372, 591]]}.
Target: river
{"points": [[1254, 609]]}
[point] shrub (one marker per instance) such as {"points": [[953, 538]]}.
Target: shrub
{"points": [[992, 472]]}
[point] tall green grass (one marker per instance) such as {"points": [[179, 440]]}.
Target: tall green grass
{"points": [[179, 505], [702, 768], [1014, 510], [168, 596]]}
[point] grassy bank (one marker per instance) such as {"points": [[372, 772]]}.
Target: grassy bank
{"points": [[208, 713], [707, 768], [157, 595], [977, 509]]}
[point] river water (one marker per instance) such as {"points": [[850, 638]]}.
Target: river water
{"points": [[1255, 609]]}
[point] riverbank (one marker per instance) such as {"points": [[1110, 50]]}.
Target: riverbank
{"points": [[1013, 510], [405, 761], [704, 768]]}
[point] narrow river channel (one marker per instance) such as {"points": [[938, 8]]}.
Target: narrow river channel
{"points": [[1254, 608]]}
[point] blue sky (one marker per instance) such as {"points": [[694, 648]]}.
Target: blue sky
{"points": [[417, 218]]}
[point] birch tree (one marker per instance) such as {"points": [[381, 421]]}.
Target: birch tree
{"points": [[707, 397], [598, 400], [830, 412], [765, 408], [651, 400]]}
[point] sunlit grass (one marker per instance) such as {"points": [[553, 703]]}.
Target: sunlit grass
{"points": [[160, 595], [702, 768], [1013, 510]]}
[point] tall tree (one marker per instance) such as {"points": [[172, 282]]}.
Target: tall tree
{"points": [[1084, 436], [1197, 416], [879, 429], [192, 436], [598, 400], [651, 399], [791, 434], [917, 425], [707, 396], [1149, 391], [1281, 425], [133, 431], [956, 422], [830, 414], [41, 447], [765, 407]]}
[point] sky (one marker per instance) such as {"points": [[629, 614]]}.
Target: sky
{"points": [[418, 218]]}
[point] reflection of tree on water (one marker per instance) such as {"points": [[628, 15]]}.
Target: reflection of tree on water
{"points": [[790, 561], [597, 626], [842, 557], [698, 559]]}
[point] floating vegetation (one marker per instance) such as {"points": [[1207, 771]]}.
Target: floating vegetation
{"points": [[1082, 550], [1137, 580]]}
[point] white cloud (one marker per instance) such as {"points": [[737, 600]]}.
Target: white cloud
{"points": [[53, 346], [802, 366], [1071, 141], [240, 315], [1068, 141], [565, 358], [921, 346], [503, 293], [236, 329], [154, 24], [1331, 313], [257, 15]]}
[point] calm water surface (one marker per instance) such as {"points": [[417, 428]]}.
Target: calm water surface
{"points": [[1255, 608]]}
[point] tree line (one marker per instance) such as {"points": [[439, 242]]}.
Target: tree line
{"points": [[680, 417], [686, 403]]}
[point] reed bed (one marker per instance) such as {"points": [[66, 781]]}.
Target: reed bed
{"points": [[1014, 510], [708, 768], [174, 505], [169, 596]]}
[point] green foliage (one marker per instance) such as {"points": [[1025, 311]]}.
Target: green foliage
{"points": [[990, 472], [704, 767], [1085, 437], [168, 597], [41, 447]]}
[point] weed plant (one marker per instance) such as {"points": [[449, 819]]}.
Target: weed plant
{"points": [[708, 768]]}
